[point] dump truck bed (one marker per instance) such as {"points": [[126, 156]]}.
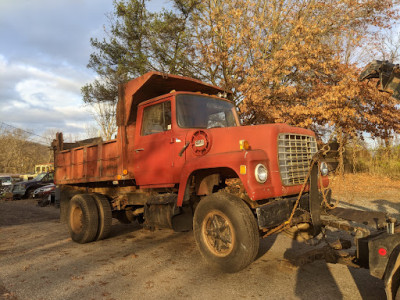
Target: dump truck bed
{"points": [[90, 163]]}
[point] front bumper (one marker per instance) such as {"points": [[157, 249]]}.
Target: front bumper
{"points": [[42, 194], [278, 211]]}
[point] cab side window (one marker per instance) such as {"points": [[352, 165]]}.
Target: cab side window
{"points": [[156, 118]]}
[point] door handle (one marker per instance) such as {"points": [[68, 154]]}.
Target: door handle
{"points": [[138, 150]]}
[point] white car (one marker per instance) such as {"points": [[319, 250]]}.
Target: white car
{"points": [[5, 180]]}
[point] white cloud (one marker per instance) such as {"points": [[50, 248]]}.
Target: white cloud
{"points": [[45, 46], [36, 99]]}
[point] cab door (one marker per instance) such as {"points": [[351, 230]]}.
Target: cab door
{"points": [[153, 145]]}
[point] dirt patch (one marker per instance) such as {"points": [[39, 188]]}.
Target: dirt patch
{"points": [[39, 261], [368, 192], [351, 187], [25, 211], [5, 294]]}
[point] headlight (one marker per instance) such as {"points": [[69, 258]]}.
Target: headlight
{"points": [[324, 168], [261, 173]]}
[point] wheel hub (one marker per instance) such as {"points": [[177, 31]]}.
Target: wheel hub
{"points": [[76, 219], [218, 233]]}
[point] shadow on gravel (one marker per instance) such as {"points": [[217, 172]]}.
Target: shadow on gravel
{"points": [[349, 205], [25, 212], [118, 229], [265, 245], [383, 204]]}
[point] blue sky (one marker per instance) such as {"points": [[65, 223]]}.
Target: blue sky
{"points": [[44, 50]]}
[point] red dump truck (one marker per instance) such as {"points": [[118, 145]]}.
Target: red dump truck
{"points": [[182, 159]]}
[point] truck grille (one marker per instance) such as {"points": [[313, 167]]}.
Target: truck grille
{"points": [[294, 154]]}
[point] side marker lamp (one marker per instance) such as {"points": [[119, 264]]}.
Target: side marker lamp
{"points": [[244, 145], [243, 170]]}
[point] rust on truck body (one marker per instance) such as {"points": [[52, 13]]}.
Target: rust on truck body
{"points": [[160, 159], [179, 142]]}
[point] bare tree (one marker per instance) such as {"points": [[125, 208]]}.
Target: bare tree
{"points": [[385, 47], [104, 114], [18, 154]]}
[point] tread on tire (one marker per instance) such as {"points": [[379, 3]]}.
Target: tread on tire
{"points": [[83, 218], [226, 232]]}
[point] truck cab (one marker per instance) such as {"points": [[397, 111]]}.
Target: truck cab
{"points": [[167, 125]]}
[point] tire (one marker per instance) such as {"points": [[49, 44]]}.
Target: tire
{"points": [[226, 232], [105, 216], [396, 285], [29, 193], [83, 218]]}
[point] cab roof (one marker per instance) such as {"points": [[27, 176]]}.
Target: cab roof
{"points": [[152, 85]]}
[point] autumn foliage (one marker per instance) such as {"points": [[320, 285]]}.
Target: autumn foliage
{"points": [[292, 61]]}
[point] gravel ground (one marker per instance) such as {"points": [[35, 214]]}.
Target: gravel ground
{"points": [[38, 260]]}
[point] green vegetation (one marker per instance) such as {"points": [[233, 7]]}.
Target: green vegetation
{"points": [[382, 161]]}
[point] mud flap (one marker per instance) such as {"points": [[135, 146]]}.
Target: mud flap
{"points": [[183, 221], [315, 203]]}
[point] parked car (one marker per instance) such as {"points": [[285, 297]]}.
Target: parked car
{"points": [[5, 180], [45, 194], [6, 184], [25, 189]]}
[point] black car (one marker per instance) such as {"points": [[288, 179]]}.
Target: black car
{"points": [[25, 189], [45, 195]]}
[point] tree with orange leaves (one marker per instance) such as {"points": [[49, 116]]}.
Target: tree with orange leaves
{"points": [[286, 61], [289, 61]]}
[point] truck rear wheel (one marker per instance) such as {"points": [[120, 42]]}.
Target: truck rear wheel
{"points": [[83, 218], [105, 216], [226, 232]]}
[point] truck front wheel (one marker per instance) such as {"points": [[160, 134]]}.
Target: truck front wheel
{"points": [[226, 232], [83, 219]]}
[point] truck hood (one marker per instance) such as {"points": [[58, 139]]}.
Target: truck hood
{"points": [[227, 139]]}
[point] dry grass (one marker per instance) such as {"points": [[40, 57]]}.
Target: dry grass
{"points": [[352, 187]]}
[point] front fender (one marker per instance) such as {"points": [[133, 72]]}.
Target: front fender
{"points": [[233, 161]]}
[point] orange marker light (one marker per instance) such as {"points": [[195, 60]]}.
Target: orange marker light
{"points": [[244, 145], [125, 172], [243, 169]]}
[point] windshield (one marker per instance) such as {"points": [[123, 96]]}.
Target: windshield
{"points": [[5, 179], [39, 177], [198, 111]]}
